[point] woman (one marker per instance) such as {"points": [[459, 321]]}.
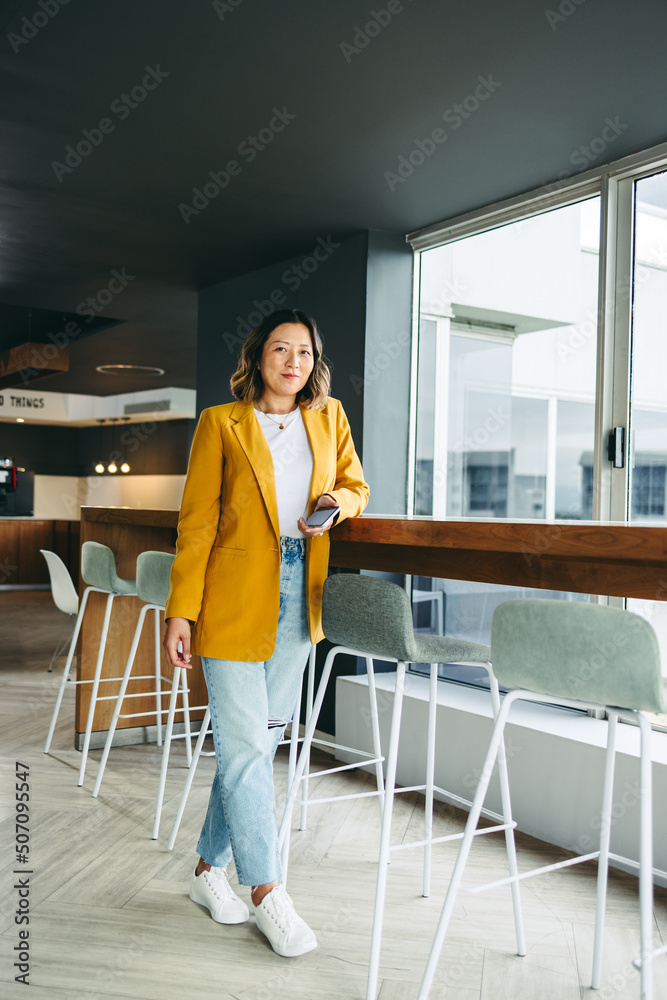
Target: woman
{"points": [[248, 575]]}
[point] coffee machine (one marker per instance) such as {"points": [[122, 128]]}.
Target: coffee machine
{"points": [[17, 490]]}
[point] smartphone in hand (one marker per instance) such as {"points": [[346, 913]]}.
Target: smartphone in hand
{"points": [[321, 516]]}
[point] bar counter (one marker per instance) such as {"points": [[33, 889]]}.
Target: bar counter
{"points": [[587, 557], [127, 531]]}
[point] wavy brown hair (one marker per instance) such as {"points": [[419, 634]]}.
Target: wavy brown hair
{"points": [[247, 382]]}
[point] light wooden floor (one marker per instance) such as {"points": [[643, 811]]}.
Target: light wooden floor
{"points": [[111, 916]]}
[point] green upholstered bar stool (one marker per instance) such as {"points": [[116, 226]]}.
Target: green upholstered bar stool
{"points": [[372, 618], [98, 569], [153, 569], [582, 656]]}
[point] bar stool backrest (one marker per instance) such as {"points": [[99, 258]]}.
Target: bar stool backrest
{"points": [[98, 569], [153, 569], [64, 592], [579, 651], [371, 615]]}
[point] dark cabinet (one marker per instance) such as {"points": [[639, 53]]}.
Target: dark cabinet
{"points": [[22, 563]]}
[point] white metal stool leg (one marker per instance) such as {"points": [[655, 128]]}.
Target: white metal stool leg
{"points": [[96, 684], [286, 823], [119, 699], [375, 729], [310, 692], [179, 679], [430, 778], [291, 771], [383, 861], [68, 667], [464, 850], [189, 778], [603, 860], [62, 645], [186, 718], [510, 843], [158, 679], [646, 860]]}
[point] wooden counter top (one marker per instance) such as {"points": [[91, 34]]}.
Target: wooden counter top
{"points": [[616, 559], [625, 560], [150, 517], [611, 558]]}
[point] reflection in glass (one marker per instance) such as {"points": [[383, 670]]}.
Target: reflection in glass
{"points": [[505, 394], [506, 371], [648, 409]]}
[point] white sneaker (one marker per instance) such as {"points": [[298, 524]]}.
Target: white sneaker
{"points": [[213, 891], [277, 919]]}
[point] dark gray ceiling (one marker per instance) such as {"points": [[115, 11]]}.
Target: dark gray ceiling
{"points": [[223, 69]]}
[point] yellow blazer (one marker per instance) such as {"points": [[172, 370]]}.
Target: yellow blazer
{"points": [[226, 574]]}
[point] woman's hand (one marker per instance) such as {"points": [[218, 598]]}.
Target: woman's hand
{"points": [[324, 501], [178, 630]]}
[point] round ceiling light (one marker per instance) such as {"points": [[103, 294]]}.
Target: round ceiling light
{"points": [[130, 370]]}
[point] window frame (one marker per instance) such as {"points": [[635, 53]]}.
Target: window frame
{"points": [[614, 183]]}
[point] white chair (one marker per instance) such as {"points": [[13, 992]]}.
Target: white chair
{"points": [[580, 656], [64, 595], [98, 569], [292, 741], [153, 569], [372, 618]]}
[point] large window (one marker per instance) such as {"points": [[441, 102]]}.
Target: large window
{"points": [[506, 389], [521, 373]]}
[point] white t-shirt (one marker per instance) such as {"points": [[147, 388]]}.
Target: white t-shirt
{"points": [[292, 466]]}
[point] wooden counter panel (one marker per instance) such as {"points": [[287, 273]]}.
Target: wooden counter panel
{"points": [[583, 557], [127, 532], [578, 540], [21, 562], [586, 576], [33, 536], [151, 518], [9, 552]]}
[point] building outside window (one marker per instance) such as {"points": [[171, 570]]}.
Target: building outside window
{"points": [[511, 382]]}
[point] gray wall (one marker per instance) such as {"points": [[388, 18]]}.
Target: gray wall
{"points": [[386, 383], [360, 293], [333, 290]]}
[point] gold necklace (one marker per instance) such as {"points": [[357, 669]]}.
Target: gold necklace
{"points": [[281, 424]]}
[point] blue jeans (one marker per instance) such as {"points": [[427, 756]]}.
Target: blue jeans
{"points": [[250, 704]]}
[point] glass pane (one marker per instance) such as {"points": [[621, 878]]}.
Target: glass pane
{"points": [[505, 395], [425, 418], [648, 410], [574, 460], [463, 609], [506, 376], [648, 386]]}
